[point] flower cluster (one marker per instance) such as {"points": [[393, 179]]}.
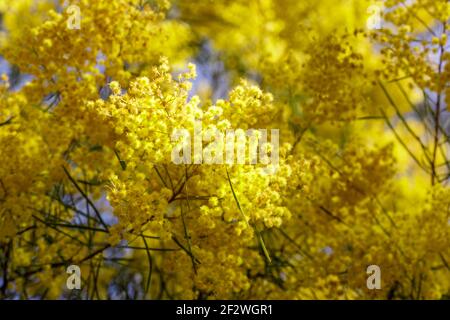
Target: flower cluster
{"points": [[87, 145]]}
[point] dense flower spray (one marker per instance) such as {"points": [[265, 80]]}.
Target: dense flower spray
{"points": [[96, 89]]}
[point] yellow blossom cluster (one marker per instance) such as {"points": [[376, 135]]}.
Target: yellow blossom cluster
{"points": [[358, 122]]}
